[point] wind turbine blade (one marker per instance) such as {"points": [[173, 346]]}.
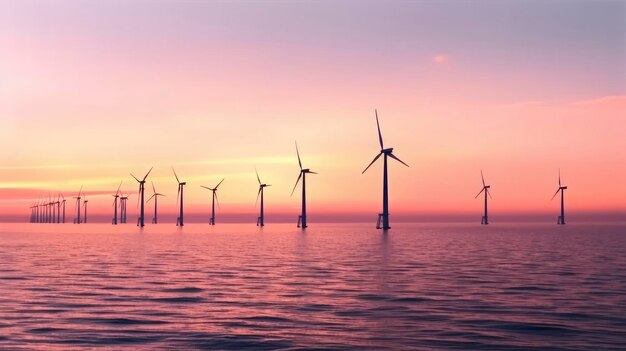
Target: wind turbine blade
{"points": [[138, 195], [150, 198], [217, 200], [298, 153], [371, 163], [153, 189], [257, 175], [118, 189], [206, 187], [481, 191], [175, 175], [557, 191], [135, 177], [311, 172], [81, 189], [177, 195], [257, 196], [397, 159], [297, 181], [482, 177], [144, 178], [489, 193], [559, 177], [218, 184], [380, 135]]}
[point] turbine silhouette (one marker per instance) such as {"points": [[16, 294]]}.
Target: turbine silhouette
{"points": [[562, 188], [180, 220], [142, 183], [485, 219], [115, 198], [383, 217], [78, 205], [85, 211], [214, 200], [123, 200], [155, 195], [261, 220], [303, 173]]}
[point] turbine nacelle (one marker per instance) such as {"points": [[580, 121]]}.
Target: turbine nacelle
{"points": [[387, 150]]}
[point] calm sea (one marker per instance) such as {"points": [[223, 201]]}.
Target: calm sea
{"points": [[331, 287]]}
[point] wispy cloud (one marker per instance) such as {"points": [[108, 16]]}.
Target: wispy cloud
{"points": [[441, 59]]}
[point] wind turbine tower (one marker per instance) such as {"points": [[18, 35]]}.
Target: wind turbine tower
{"points": [[383, 218]]}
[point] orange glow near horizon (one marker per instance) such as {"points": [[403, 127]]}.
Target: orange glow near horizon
{"points": [[87, 99]]}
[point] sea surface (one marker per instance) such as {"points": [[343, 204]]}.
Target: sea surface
{"points": [[331, 287]]}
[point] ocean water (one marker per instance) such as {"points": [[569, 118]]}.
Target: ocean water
{"points": [[331, 287]]}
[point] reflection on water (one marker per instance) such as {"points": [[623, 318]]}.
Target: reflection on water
{"points": [[503, 287]]}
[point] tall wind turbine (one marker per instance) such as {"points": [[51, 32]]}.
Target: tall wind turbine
{"points": [[155, 195], [123, 200], [58, 203], [63, 203], [85, 201], [303, 173], [51, 204], [115, 198], [485, 189], [261, 220], [561, 218], [214, 199], [181, 193], [383, 217], [142, 183], [78, 205]]}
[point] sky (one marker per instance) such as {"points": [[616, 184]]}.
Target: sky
{"points": [[91, 91]]}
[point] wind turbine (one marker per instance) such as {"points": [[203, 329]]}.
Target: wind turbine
{"points": [[214, 199], [485, 219], [123, 199], [63, 203], [58, 203], [303, 172], [52, 213], [562, 188], [260, 222], [115, 197], [388, 152], [155, 195], [85, 205], [181, 192], [140, 221], [78, 204]]}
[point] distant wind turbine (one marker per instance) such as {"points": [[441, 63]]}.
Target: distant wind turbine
{"points": [[63, 204], [58, 205], [562, 188], [155, 195], [181, 192], [123, 200], [485, 219], [142, 183], [115, 197], [303, 173], [78, 205], [383, 217], [213, 201], [261, 220], [85, 205]]}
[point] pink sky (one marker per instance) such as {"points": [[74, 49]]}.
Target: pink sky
{"points": [[90, 91]]}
